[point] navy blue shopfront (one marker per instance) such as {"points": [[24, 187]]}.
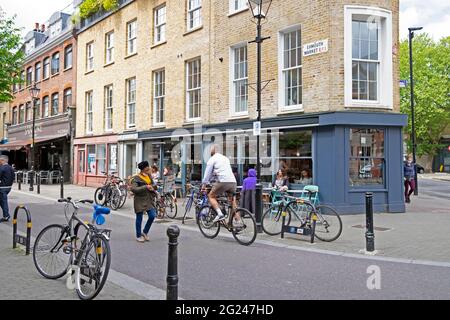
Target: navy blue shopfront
{"points": [[345, 153]]}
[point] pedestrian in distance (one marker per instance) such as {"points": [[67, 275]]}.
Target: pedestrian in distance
{"points": [[6, 182], [409, 172], [248, 191], [144, 200]]}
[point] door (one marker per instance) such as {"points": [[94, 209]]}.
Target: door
{"points": [[81, 167], [130, 160]]}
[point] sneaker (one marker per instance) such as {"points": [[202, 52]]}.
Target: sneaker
{"points": [[4, 219], [146, 237], [218, 218], [141, 239]]}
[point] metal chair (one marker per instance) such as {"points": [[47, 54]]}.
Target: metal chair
{"points": [[55, 175], [44, 176]]}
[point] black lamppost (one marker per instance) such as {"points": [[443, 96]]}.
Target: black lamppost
{"points": [[259, 9], [34, 92], [413, 124]]}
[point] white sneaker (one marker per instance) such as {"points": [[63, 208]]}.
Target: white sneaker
{"points": [[146, 237], [140, 239], [218, 218]]}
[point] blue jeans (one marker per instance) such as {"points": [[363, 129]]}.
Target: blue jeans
{"points": [[4, 202], [139, 216]]}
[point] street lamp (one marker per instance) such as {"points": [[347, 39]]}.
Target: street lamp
{"points": [[413, 125], [259, 9], [34, 92]]}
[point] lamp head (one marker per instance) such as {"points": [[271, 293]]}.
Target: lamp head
{"points": [[260, 8], [415, 29], [34, 91]]}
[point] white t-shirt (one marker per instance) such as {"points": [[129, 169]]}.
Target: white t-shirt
{"points": [[219, 166]]}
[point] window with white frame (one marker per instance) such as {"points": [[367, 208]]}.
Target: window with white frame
{"points": [[37, 72], [159, 92], [109, 55], [90, 56], [109, 108], [238, 5], [55, 104], [194, 14], [160, 24], [28, 112], [239, 86], [21, 113], [368, 57], [89, 112], [14, 116], [45, 106], [131, 103], [291, 69], [46, 72], [131, 37], [194, 92]]}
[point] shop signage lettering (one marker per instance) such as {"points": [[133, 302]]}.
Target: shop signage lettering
{"points": [[315, 48], [29, 130]]}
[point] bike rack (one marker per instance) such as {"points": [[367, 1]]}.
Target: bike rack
{"points": [[25, 241], [304, 231]]}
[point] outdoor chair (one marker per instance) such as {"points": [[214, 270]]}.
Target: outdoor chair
{"points": [[55, 175], [45, 175]]}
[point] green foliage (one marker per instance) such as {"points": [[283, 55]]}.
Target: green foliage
{"points": [[431, 90], [11, 57], [90, 7]]}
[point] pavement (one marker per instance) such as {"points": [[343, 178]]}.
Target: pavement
{"points": [[440, 176]]}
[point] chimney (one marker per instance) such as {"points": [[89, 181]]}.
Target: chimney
{"points": [[43, 28], [36, 26]]}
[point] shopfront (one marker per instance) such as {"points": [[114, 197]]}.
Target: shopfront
{"points": [[94, 157], [345, 153]]}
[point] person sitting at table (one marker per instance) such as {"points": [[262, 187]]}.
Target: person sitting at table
{"points": [[281, 181], [306, 179]]}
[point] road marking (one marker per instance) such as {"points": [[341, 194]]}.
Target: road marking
{"points": [[290, 247]]}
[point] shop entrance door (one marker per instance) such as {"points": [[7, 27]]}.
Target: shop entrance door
{"points": [[81, 161], [130, 160]]}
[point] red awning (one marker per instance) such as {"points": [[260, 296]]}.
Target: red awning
{"points": [[19, 144]]}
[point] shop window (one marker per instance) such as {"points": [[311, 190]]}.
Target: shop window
{"points": [[101, 159], [92, 166], [295, 156], [367, 163], [112, 158]]}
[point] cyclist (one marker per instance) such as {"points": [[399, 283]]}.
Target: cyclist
{"points": [[219, 167]]}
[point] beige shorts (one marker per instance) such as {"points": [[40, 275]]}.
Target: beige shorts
{"points": [[221, 188]]}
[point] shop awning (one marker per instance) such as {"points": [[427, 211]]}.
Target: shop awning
{"points": [[19, 144]]}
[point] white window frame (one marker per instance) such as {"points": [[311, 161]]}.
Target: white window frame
{"points": [[281, 87], [385, 44], [243, 6], [66, 49], [89, 112], [109, 45], [46, 106], [233, 81], [191, 12], [160, 25], [28, 112], [46, 68], [90, 56], [36, 73], [157, 97], [189, 90], [131, 125], [131, 38], [109, 108]]}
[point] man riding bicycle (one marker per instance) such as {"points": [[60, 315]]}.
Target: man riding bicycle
{"points": [[219, 167]]}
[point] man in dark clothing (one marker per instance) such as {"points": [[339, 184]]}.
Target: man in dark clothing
{"points": [[409, 172], [6, 182]]}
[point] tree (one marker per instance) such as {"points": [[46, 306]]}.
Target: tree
{"points": [[431, 90], [11, 56]]}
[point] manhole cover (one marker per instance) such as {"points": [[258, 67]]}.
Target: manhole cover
{"points": [[360, 226]]}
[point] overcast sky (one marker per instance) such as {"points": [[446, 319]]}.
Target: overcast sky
{"points": [[433, 15]]}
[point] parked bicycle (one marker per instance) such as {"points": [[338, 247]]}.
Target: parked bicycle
{"points": [[81, 251], [299, 210], [244, 232], [113, 193], [166, 203], [196, 200]]}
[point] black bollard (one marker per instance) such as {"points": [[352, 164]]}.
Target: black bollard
{"points": [[370, 236], [19, 180], [61, 180], [38, 182], [172, 270], [31, 173]]}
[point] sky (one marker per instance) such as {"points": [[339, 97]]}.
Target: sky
{"points": [[433, 15]]}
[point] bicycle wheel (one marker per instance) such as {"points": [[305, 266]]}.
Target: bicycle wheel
{"points": [[272, 220], [100, 196], [94, 268], [171, 206], [116, 198], [245, 232], [328, 225], [124, 194], [205, 219], [48, 256]]}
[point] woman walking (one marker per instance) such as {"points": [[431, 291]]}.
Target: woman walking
{"points": [[144, 200], [409, 171]]}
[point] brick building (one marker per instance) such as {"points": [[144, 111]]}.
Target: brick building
{"points": [[50, 64], [331, 109]]}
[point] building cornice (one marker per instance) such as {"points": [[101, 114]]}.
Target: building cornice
{"points": [[48, 46]]}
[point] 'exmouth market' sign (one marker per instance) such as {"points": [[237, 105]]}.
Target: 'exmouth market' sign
{"points": [[315, 48]]}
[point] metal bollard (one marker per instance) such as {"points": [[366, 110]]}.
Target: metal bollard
{"points": [[19, 180], [26, 241], [61, 180], [31, 173], [38, 182], [370, 236], [172, 270]]}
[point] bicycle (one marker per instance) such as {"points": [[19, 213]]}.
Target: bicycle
{"points": [[113, 193], [328, 224], [244, 233], [166, 204], [196, 199], [58, 251]]}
